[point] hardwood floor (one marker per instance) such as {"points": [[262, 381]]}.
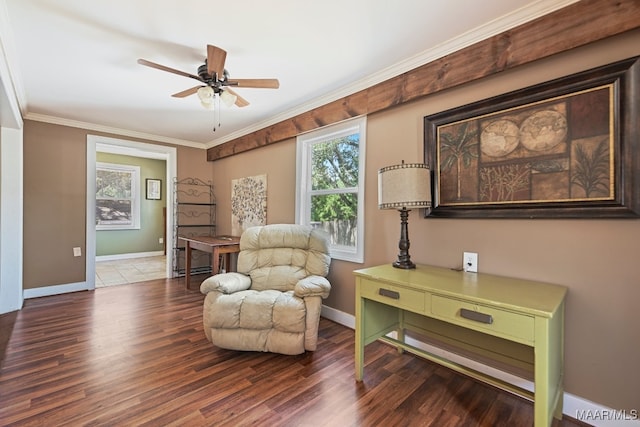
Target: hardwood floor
{"points": [[137, 355]]}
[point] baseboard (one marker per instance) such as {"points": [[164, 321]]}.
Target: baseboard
{"points": [[573, 406], [46, 291], [128, 256], [345, 319]]}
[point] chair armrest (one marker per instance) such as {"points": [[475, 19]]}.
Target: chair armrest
{"points": [[226, 283], [312, 286]]}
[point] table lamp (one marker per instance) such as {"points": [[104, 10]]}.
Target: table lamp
{"points": [[403, 187]]}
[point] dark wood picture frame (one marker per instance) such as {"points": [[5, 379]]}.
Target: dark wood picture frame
{"points": [[567, 148], [153, 189]]}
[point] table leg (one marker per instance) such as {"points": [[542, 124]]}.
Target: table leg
{"points": [[230, 267], [187, 264], [359, 344], [227, 263], [215, 261], [549, 369], [400, 330]]}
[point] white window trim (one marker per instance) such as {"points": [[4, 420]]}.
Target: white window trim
{"points": [[135, 196], [303, 190]]}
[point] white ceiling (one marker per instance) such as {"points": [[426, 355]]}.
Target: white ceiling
{"points": [[74, 61]]}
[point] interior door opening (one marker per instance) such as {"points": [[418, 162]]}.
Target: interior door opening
{"points": [[136, 149]]}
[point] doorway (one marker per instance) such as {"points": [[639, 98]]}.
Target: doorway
{"points": [[136, 149]]}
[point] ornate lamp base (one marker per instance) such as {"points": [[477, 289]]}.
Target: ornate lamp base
{"points": [[404, 259]]}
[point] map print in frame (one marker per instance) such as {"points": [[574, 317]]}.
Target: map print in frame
{"points": [[551, 150]]}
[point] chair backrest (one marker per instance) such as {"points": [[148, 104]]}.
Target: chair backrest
{"points": [[277, 256]]}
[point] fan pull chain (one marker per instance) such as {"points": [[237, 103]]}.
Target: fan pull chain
{"points": [[216, 112], [219, 109]]}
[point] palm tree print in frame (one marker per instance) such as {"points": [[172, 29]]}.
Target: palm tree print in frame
{"points": [[534, 153], [557, 145]]}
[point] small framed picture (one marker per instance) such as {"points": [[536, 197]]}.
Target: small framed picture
{"points": [[154, 189]]}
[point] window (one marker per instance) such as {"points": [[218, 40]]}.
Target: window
{"points": [[330, 195], [117, 197]]}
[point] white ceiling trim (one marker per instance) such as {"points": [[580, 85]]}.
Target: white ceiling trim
{"points": [[126, 150], [519, 17], [113, 130], [10, 90], [10, 116]]}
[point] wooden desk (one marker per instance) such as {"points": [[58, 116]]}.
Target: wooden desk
{"points": [[215, 245], [512, 321]]}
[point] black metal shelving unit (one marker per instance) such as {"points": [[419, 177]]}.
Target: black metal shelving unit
{"points": [[194, 214]]}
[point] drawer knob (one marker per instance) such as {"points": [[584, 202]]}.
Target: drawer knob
{"points": [[476, 316], [389, 293]]}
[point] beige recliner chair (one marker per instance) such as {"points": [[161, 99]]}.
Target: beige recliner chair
{"points": [[273, 302]]}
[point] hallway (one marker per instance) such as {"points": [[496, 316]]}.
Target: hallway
{"points": [[133, 270]]}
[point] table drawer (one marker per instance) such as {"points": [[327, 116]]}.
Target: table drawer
{"points": [[393, 295], [491, 320]]}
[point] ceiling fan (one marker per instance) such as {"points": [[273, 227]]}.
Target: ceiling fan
{"points": [[215, 80]]}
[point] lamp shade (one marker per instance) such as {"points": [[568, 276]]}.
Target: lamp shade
{"points": [[407, 185], [206, 93], [227, 98]]}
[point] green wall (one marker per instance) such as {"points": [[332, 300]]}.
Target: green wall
{"points": [[114, 242]]}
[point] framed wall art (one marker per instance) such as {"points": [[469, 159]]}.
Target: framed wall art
{"points": [[154, 189], [567, 148], [248, 203]]}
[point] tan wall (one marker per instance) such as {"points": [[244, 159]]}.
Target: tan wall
{"points": [[596, 259], [281, 196], [55, 176], [190, 164]]}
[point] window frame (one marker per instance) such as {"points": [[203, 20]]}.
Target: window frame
{"points": [[135, 195], [304, 143]]}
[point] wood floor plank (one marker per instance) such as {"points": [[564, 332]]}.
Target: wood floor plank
{"points": [[137, 355]]}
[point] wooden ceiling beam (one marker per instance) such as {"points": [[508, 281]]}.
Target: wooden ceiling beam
{"points": [[576, 25]]}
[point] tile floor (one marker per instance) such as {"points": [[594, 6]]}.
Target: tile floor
{"points": [[125, 271]]}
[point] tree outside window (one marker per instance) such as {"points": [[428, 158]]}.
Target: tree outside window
{"points": [[117, 205], [331, 192]]}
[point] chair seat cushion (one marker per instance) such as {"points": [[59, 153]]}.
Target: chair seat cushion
{"points": [[251, 309]]}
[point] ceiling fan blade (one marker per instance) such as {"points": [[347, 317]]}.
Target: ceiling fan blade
{"points": [[187, 92], [215, 60], [170, 70], [240, 101], [255, 83]]}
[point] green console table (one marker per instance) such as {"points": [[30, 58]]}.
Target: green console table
{"points": [[515, 322]]}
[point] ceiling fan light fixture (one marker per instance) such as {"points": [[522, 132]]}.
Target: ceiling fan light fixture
{"points": [[227, 98], [206, 93], [207, 105], [212, 77]]}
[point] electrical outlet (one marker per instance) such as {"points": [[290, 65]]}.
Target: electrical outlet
{"points": [[470, 262], [77, 252], [160, 240]]}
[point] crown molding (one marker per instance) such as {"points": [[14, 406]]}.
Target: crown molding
{"points": [[497, 26], [112, 130], [11, 93]]}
